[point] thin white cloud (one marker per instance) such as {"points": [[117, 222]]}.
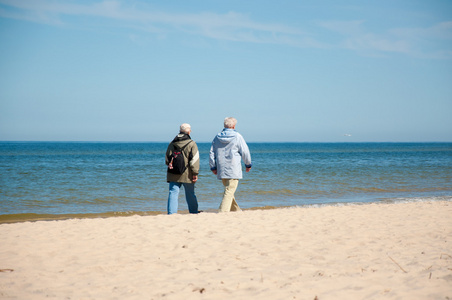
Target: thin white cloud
{"points": [[233, 26], [429, 42], [441, 31], [374, 42], [354, 27], [353, 35], [230, 26]]}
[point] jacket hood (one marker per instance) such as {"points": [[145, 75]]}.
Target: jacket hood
{"points": [[181, 139], [227, 135]]}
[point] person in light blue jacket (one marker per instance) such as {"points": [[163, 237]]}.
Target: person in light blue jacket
{"points": [[226, 154]]}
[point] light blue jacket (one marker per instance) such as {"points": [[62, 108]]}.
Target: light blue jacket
{"points": [[227, 150]]}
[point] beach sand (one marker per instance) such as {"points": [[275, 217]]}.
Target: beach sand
{"points": [[367, 251]]}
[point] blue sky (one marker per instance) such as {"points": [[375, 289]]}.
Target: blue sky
{"points": [[302, 71]]}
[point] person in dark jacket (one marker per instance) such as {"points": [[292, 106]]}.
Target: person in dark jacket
{"points": [[189, 176]]}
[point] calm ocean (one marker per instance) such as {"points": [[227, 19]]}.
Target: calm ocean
{"points": [[49, 178]]}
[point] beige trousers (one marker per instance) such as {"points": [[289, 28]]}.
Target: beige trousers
{"points": [[228, 203]]}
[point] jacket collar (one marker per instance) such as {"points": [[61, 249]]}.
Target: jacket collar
{"points": [[181, 137]]}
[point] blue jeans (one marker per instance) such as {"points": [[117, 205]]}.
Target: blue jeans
{"points": [[173, 197]]}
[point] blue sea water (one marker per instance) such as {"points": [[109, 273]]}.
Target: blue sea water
{"points": [[94, 178]]}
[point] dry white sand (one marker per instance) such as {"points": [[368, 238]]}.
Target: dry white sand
{"points": [[371, 251]]}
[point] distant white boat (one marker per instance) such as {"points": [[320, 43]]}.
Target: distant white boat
{"points": [[347, 134]]}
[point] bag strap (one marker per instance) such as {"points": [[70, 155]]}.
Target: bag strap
{"points": [[182, 149]]}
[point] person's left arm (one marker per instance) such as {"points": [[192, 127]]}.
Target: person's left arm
{"points": [[246, 155], [194, 161]]}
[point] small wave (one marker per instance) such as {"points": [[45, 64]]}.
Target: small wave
{"points": [[382, 201], [30, 217], [417, 199]]}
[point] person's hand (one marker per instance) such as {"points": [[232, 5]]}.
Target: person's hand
{"points": [[195, 178], [248, 169], [214, 172]]}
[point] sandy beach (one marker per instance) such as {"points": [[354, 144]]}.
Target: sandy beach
{"points": [[367, 251]]}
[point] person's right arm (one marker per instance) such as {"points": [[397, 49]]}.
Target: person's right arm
{"points": [[212, 158]]}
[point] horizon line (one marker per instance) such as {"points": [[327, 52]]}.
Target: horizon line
{"points": [[249, 142]]}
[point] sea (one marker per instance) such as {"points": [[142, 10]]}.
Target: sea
{"points": [[53, 180]]}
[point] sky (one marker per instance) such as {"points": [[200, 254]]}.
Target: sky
{"points": [[289, 70]]}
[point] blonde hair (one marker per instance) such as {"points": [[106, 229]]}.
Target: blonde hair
{"points": [[230, 122], [185, 128]]}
